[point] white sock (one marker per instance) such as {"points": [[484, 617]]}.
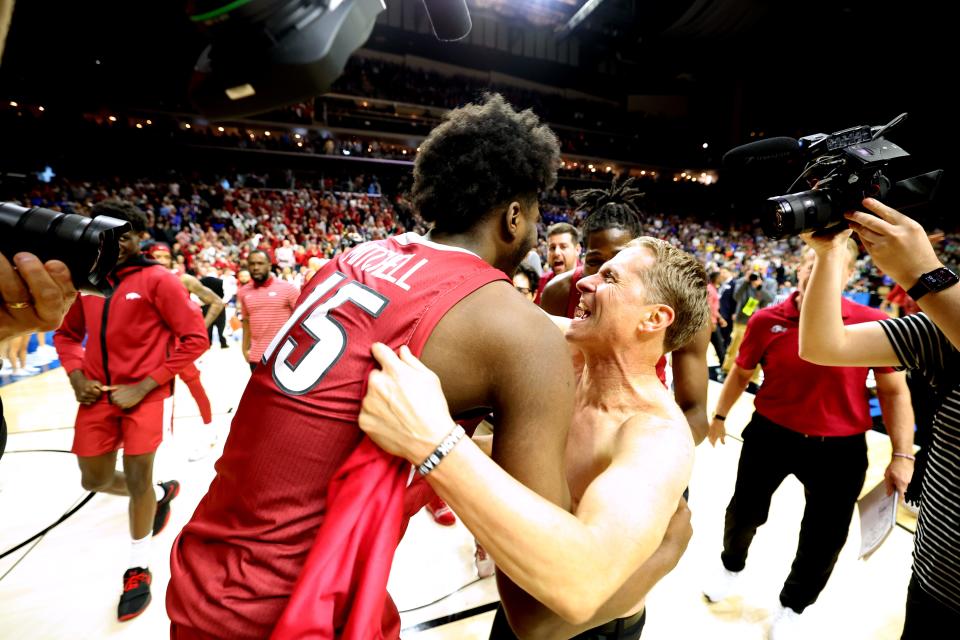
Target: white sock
{"points": [[158, 491], [140, 552]]}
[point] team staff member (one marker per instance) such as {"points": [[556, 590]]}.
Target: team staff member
{"points": [[265, 304], [809, 421], [137, 340], [614, 221]]}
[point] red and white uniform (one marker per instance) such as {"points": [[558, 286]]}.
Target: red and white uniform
{"points": [[234, 566], [266, 307], [147, 327]]}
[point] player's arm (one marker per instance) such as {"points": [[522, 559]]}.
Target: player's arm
{"points": [[555, 294], [207, 297], [690, 381]]}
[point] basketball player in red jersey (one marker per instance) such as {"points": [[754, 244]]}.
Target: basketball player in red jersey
{"points": [[613, 222], [190, 375], [121, 354], [448, 296]]}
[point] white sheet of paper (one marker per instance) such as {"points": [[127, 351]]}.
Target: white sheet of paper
{"points": [[878, 515]]}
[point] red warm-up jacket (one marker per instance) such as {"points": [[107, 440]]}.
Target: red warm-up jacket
{"points": [[147, 327]]}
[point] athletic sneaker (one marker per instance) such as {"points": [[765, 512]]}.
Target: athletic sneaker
{"points": [[170, 490], [441, 512], [136, 593], [720, 585], [483, 561], [786, 625]]}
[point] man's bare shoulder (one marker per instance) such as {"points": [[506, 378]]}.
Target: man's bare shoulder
{"points": [[665, 434]]}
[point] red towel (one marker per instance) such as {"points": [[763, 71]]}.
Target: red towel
{"points": [[342, 590]]}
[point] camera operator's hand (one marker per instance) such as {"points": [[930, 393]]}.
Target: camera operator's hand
{"points": [[898, 245], [822, 243], [35, 296], [86, 390]]}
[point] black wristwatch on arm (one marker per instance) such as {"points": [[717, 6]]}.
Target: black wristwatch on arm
{"points": [[933, 281]]}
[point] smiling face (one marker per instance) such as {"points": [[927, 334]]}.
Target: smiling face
{"points": [[613, 301]]}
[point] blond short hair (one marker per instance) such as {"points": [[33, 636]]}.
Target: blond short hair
{"points": [[679, 281]]}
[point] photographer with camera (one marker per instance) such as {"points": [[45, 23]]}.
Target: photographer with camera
{"points": [[751, 293], [35, 296], [925, 342], [813, 430]]}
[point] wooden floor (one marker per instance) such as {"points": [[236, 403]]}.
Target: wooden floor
{"points": [[67, 584]]}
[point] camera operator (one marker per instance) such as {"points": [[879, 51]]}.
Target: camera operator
{"points": [[35, 297], [810, 421], [925, 342]]}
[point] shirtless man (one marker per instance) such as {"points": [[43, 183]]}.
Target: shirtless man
{"points": [[614, 220], [628, 457]]}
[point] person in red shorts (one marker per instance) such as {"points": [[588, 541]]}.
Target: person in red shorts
{"points": [[137, 340]]}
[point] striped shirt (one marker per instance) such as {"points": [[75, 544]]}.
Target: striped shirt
{"points": [[266, 307], [920, 345]]}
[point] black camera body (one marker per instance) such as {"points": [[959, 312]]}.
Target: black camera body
{"points": [[89, 247], [842, 169]]}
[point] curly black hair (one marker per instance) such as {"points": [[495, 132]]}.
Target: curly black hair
{"points": [[481, 156], [123, 210], [613, 208]]}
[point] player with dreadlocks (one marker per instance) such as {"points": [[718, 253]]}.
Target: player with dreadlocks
{"points": [[612, 222]]}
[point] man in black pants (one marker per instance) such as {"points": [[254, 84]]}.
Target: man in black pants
{"points": [[215, 284], [810, 421]]}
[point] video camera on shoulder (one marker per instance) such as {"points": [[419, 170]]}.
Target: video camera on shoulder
{"points": [[88, 246], [841, 170]]}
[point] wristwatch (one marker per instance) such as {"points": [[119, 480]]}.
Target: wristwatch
{"points": [[933, 281]]}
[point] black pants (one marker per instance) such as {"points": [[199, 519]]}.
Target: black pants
{"points": [[613, 630], [831, 471], [220, 323], [927, 617], [719, 343]]}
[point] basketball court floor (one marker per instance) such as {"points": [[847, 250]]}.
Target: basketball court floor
{"points": [[66, 583]]}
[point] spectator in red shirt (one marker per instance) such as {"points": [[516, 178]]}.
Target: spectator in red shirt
{"points": [[137, 340], [810, 421], [266, 304]]}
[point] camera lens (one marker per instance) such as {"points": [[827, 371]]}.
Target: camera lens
{"points": [[89, 247], [797, 213]]}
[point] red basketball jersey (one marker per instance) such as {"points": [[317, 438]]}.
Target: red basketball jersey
{"points": [[234, 565]]}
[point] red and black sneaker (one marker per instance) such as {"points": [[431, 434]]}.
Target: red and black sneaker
{"points": [[136, 593], [171, 488]]}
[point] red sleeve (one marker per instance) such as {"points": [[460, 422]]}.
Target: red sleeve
{"points": [[68, 339], [753, 345], [185, 320], [293, 296]]}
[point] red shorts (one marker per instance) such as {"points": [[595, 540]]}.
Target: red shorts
{"points": [[103, 428]]}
